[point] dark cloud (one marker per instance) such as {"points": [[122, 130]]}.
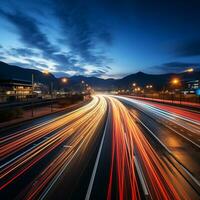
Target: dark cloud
{"points": [[98, 73], [176, 67], [34, 64], [189, 48], [2, 57], [31, 36], [82, 33], [23, 65], [101, 72], [30, 63], [25, 52], [79, 35]]}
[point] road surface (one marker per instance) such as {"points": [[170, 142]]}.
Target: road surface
{"points": [[112, 148]]}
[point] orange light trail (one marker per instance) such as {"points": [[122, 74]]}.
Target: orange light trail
{"points": [[82, 125]]}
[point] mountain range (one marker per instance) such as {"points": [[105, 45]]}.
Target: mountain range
{"points": [[11, 72]]}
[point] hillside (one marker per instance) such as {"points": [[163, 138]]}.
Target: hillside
{"points": [[158, 81]]}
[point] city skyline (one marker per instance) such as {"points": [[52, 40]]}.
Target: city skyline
{"points": [[101, 38]]}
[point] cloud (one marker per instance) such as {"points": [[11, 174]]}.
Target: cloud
{"points": [[25, 52], [31, 36], [29, 63], [176, 67], [98, 73], [189, 48], [29, 31], [82, 33], [2, 57]]}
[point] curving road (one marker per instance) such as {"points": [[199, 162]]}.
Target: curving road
{"points": [[112, 148]]}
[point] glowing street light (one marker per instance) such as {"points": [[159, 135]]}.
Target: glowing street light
{"points": [[64, 80], [175, 81], [134, 84], [189, 70], [149, 86]]}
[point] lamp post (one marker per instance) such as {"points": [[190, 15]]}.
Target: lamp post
{"points": [[149, 89], [134, 85], [64, 81], [176, 82], [46, 72], [84, 85]]}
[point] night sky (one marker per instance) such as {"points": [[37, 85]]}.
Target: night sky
{"points": [[101, 38]]}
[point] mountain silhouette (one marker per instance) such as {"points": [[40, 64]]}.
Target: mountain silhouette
{"points": [[158, 81]]}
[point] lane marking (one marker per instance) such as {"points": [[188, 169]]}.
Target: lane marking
{"points": [[180, 164], [141, 177], [154, 135], [67, 146], [89, 190], [183, 136]]}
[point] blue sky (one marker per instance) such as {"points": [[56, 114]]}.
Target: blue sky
{"points": [[103, 38]]}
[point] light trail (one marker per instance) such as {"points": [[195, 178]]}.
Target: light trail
{"points": [[129, 142], [22, 139], [135, 164], [189, 124], [79, 133]]}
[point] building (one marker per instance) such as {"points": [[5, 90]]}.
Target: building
{"points": [[192, 86], [12, 90]]}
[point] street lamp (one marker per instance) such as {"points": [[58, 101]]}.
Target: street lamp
{"points": [[64, 80], [176, 82], [189, 70], [134, 85]]}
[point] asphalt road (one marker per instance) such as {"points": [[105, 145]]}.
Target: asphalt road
{"points": [[112, 148], [34, 159]]}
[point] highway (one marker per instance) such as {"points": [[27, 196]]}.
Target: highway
{"points": [[112, 148], [33, 159]]}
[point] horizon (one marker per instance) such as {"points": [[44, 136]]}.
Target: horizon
{"points": [[169, 73], [99, 38]]}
